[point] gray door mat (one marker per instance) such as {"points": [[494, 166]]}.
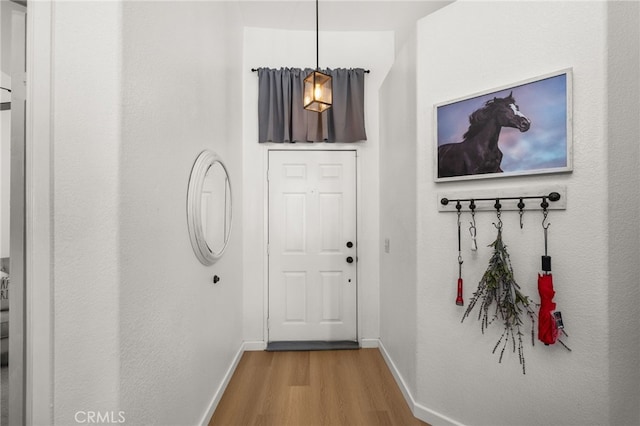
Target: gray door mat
{"points": [[311, 345]]}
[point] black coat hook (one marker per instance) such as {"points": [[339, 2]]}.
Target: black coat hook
{"points": [[472, 228], [498, 206], [521, 206]]}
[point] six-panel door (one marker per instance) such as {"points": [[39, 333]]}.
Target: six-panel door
{"points": [[312, 245]]}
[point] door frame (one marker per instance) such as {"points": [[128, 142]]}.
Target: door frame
{"points": [[17, 219], [266, 231], [38, 216]]}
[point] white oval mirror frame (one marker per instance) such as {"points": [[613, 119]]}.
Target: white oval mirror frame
{"points": [[214, 207], [204, 163]]}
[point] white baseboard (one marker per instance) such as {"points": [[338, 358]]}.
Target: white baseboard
{"points": [[432, 417], [406, 392], [419, 411], [217, 396], [258, 345], [369, 343]]}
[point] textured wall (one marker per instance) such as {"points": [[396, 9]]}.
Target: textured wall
{"points": [[398, 213], [473, 46], [85, 185], [623, 160], [179, 333]]}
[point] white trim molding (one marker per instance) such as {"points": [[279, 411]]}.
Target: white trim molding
{"points": [[217, 396], [369, 343], [39, 136], [419, 411], [257, 345]]}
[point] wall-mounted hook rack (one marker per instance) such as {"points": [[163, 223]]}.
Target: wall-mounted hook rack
{"points": [[509, 199]]}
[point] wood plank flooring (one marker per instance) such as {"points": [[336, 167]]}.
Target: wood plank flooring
{"points": [[348, 387]]}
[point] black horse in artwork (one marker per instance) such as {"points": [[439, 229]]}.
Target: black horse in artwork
{"points": [[478, 152]]}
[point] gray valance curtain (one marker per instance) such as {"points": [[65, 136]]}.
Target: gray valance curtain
{"points": [[282, 118]]}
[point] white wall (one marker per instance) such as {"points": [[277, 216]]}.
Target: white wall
{"points": [[179, 333], [472, 46], [623, 158], [398, 182], [85, 185], [278, 48], [140, 89]]}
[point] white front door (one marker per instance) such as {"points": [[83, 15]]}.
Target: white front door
{"points": [[312, 245]]}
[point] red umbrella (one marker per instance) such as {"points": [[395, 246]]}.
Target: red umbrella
{"points": [[547, 328], [547, 325]]}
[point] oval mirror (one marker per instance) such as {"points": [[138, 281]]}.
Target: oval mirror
{"points": [[209, 207]]}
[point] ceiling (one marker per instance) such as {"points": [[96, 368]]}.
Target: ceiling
{"points": [[336, 15]]}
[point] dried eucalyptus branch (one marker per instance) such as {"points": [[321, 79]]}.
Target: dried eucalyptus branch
{"points": [[498, 287]]}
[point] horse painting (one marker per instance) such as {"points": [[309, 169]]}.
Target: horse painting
{"points": [[479, 152]]}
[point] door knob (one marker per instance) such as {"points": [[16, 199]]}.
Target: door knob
{"points": [[349, 259], [349, 244]]}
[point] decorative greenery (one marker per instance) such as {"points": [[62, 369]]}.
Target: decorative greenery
{"points": [[499, 287]]}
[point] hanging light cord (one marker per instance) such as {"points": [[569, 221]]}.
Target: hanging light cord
{"points": [[317, 41], [4, 88]]}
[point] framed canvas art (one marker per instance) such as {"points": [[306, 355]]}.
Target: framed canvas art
{"points": [[518, 129]]}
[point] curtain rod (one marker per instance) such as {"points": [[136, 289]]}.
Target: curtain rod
{"points": [[256, 70]]}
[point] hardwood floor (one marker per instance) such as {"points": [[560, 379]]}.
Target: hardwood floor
{"points": [[349, 387]]}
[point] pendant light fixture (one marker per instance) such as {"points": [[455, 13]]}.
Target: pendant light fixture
{"points": [[318, 94]]}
